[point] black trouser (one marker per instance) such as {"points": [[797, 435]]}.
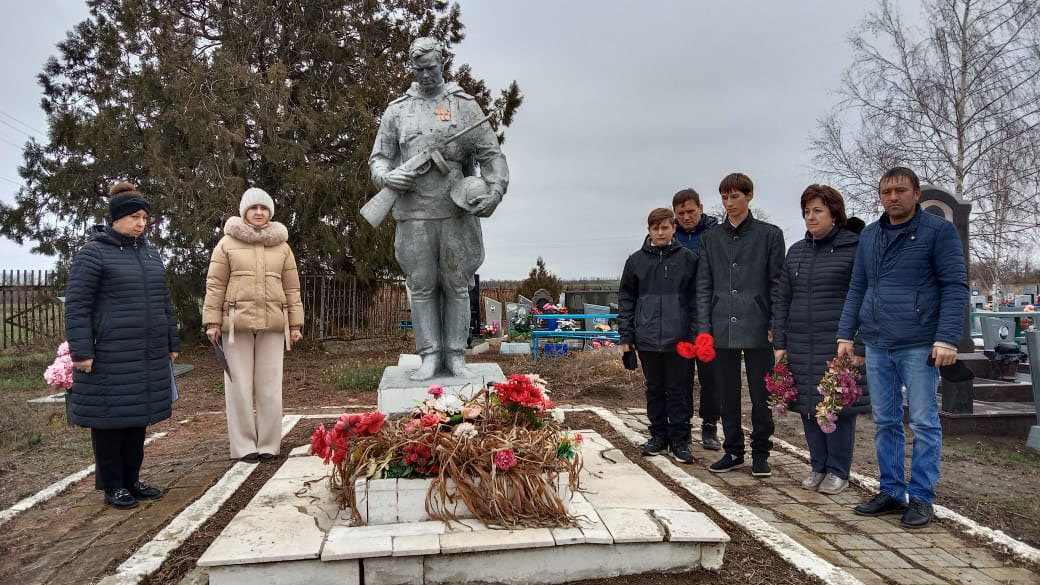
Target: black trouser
{"points": [[757, 363], [831, 452], [709, 406], [667, 395], [118, 454]]}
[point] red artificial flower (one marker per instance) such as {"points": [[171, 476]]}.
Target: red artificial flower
{"points": [[341, 446], [340, 425], [430, 419], [578, 437], [704, 339], [370, 423], [505, 459], [686, 349], [318, 439], [705, 353]]}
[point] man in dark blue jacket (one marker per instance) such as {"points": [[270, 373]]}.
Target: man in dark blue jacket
{"points": [[907, 299], [690, 224]]}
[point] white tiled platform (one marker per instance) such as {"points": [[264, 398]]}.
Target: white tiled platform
{"points": [[628, 523]]}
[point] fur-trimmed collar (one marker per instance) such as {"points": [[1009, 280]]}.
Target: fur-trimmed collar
{"points": [[272, 234]]}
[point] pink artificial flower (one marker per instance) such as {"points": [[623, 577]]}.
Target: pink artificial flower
{"points": [[471, 411], [505, 459], [436, 390], [828, 428], [578, 437], [412, 425], [63, 349]]}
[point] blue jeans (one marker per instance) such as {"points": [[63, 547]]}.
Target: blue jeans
{"points": [[887, 372]]}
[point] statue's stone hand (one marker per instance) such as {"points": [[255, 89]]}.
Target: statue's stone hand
{"points": [[486, 205], [400, 180]]}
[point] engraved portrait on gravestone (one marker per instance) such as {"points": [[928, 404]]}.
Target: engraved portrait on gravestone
{"points": [[438, 164]]}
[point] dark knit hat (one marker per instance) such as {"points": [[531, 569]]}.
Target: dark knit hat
{"points": [[124, 200]]}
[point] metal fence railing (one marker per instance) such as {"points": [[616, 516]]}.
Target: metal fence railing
{"points": [[337, 308], [29, 307]]}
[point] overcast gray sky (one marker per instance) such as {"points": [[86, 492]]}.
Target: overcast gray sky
{"points": [[625, 103]]}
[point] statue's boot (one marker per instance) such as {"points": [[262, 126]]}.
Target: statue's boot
{"points": [[431, 363], [456, 330], [426, 323]]}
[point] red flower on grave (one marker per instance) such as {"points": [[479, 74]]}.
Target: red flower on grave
{"points": [[505, 459], [370, 423]]}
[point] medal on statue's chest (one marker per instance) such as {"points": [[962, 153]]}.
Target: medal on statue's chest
{"points": [[443, 114]]}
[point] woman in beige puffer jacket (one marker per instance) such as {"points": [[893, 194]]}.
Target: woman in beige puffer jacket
{"points": [[253, 302]]}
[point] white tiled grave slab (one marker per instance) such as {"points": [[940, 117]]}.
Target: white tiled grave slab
{"points": [[399, 394], [627, 523]]}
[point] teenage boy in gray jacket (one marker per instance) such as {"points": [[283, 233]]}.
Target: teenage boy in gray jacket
{"points": [[655, 312], [739, 267]]}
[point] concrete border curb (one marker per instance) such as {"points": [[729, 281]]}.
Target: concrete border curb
{"points": [[150, 557]]}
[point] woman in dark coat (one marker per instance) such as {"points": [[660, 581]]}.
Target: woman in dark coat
{"points": [[122, 336], [806, 308]]}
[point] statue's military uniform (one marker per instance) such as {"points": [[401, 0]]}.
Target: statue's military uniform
{"points": [[438, 245]]}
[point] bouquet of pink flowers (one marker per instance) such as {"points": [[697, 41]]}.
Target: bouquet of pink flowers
{"points": [[781, 388], [839, 390], [59, 373]]}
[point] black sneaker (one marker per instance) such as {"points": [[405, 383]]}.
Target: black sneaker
{"points": [[120, 500], [266, 456], [251, 457], [143, 491], [655, 446], [681, 454], [760, 468], [880, 505], [727, 463], [918, 514], [710, 438]]}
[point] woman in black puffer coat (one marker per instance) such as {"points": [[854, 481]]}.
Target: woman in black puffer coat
{"points": [[122, 335], [806, 309]]}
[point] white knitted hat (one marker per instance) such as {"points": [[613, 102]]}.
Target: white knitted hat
{"points": [[255, 196]]}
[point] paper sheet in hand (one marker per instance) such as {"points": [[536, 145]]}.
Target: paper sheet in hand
{"points": [[218, 348]]}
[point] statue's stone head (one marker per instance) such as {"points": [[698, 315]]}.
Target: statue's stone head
{"points": [[426, 60]]}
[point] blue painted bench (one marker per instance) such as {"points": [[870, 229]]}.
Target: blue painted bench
{"points": [[537, 334]]}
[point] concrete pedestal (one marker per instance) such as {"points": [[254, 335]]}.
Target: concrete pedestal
{"points": [[399, 394]]}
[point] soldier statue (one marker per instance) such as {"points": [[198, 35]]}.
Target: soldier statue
{"points": [[432, 142]]}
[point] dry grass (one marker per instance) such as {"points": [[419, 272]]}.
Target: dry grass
{"points": [[595, 376]]}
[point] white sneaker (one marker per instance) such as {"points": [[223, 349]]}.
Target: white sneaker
{"points": [[813, 481], [832, 484]]}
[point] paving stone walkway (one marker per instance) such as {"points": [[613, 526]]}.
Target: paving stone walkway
{"points": [[74, 537], [875, 550]]}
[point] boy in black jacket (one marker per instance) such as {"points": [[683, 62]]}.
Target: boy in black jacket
{"points": [[656, 310], [740, 265]]}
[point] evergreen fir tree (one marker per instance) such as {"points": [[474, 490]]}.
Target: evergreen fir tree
{"points": [[197, 101]]}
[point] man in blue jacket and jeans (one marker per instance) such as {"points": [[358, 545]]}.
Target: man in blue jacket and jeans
{"points": [[907, 299]]}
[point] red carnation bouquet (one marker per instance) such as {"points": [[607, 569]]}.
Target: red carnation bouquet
{"points": [[702, 348], [781, 388]]}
